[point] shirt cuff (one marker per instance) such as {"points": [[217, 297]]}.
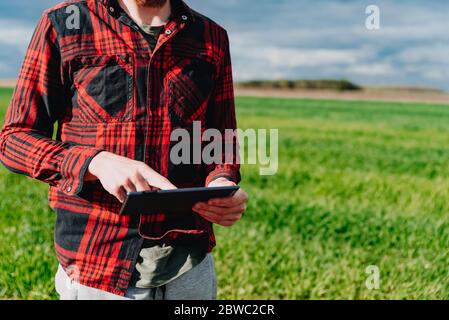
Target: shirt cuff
{"points": [[74, 166]]}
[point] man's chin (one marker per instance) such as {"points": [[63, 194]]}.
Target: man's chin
{"points": [[151, 3]]}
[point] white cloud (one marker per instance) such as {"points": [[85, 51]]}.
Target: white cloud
{"points": [[437, 53], [297, 57], [15, 33], [370, 70]]}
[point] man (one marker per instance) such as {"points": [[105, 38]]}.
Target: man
{"points": [[118, 76]]}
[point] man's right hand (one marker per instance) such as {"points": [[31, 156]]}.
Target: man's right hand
{"points": [[119, 175]]}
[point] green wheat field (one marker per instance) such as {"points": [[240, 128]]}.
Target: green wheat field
{"points": [[359, 184]]}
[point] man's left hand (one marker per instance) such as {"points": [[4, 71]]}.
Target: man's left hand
{"points": [[223, 211]]}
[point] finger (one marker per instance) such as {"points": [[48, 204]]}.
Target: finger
{"points": [[156, 180], [219, 218], [228, 223], [222, 210], [141, 183], [129, 186], [238, 198], [231, 220], [119, 193], [227, 202], [199, 205], [164, 184], [211, 218], [221, 183], [209, 214]]}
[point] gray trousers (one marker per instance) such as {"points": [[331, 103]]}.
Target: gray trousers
{"points": [[197, 284]]}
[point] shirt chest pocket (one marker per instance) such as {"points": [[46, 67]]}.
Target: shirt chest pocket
{"points": [[189, 86], [103, 88]]}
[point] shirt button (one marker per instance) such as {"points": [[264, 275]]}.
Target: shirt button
{"points": [[69, 188], [184, 17], [111, 9], [168, 32]]}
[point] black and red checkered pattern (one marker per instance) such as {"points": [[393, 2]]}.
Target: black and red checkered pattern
{"points": [[106, 90]]}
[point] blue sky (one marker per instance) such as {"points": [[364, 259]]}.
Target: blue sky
{"points": [[274, 39]]}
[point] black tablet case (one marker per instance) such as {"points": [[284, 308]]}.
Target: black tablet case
{"points": [[176, 201]]}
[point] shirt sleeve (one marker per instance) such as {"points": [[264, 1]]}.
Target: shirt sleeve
{"points": [[26, 144], [221, 116]]}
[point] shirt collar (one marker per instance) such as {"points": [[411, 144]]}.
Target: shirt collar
{"points": [[180, 10]]}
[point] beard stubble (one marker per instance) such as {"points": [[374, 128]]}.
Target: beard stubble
{"points": [[151, 3]]}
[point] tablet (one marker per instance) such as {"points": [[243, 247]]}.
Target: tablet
{"points": [[175, 201]]}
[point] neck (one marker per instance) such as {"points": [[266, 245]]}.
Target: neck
{"points": [[153, 16]]}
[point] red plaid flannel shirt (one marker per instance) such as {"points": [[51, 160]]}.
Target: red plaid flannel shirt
{"points": [[106, 90]]}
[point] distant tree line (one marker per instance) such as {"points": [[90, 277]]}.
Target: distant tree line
{"points": [[338, 85]]}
